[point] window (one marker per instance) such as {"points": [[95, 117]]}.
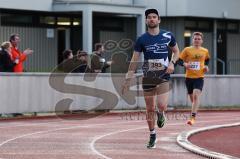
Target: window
{"points": [[39, 19], [198, 24], [187, 37], [231, 26], [116, 24], [203, 25], [47, 20], [76, 21], [190, 24], [221, 25], [63, 21], [16, 19]]}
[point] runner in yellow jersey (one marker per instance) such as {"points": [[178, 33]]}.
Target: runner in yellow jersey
{"points": [[195, 59]]}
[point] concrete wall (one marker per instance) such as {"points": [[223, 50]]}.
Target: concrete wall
{"points": [[43, 93], [215, 8], [122, 2], [205, 8], [211, 8], [43, 5]]}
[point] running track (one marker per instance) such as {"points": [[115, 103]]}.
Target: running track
{"points": [[112, 136]]}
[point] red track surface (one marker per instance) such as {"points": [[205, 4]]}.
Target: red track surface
{"points": [[223, 140], [108, 136]]}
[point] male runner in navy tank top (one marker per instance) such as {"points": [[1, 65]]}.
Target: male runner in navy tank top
{"points": [[154, 44]]}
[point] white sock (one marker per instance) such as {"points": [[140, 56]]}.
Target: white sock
{"points": [[152, 132]]}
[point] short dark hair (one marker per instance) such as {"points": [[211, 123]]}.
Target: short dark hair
{"points": [[81, 53], [12, 37], [98, 46], [149, 11], [66, 53]]}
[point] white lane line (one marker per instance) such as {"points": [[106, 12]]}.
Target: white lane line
{"points": [[48, 122], [11, 125], [33, 124], [183, 141], [85, 126], [92, 144], [109, 134], [59, 129]]}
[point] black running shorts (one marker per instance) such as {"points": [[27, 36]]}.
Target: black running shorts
{"points": [[194, 83]]}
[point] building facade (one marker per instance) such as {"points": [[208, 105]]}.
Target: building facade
{"points": [[50, 26]]}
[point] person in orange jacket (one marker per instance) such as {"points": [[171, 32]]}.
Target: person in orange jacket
{"points": [[17, 54]]}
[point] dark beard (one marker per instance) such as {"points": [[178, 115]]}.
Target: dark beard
{"points": [[152, 27]]}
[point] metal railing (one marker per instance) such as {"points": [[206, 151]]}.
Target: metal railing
{"points": [[223, 65], [231, 66]]}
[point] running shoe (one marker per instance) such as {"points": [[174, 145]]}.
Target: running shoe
{"points": [[152, 142], [161, 119], [191, 121]]}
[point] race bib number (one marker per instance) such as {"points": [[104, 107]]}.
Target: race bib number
{"points": [[156, 64], [195, 65]]}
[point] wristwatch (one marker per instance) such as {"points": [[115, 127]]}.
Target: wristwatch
{"points": [[173, 62]]}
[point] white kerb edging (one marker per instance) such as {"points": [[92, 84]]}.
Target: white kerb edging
{"points": [[183, 141]]}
